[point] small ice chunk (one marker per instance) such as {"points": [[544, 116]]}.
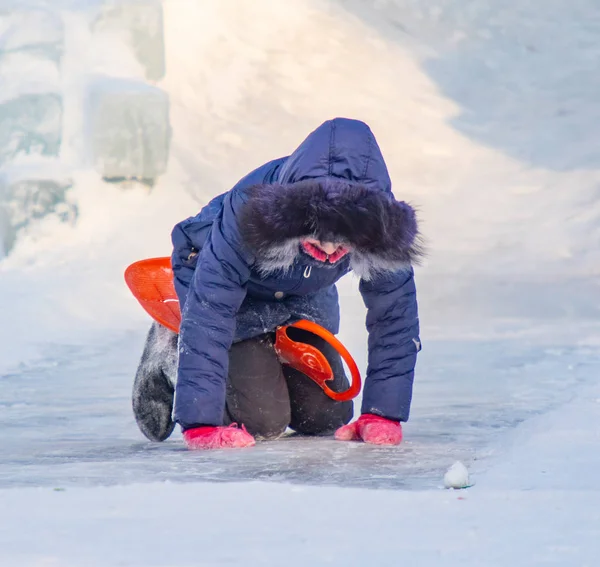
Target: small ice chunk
{"points": [[457, 476]]}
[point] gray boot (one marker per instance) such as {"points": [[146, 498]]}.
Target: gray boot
{"points": [[154, 385]]}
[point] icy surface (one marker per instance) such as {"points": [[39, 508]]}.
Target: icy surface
{"points": [[538, 506], [79, 396]]}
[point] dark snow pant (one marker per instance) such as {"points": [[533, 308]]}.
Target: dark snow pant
{"points": [[262, 394], [267, 396]]}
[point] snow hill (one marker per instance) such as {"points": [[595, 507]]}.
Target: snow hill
{"points": [[482, 114]]}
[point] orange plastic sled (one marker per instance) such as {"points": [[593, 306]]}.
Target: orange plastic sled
{"points": [[151, 282]]}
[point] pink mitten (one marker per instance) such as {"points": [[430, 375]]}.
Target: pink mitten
{"points": [[218, 437], [371, 429]]}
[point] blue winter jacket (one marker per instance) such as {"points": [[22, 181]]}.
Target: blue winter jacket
{"points": [[225, 297]]}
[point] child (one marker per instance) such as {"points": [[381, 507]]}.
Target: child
{"points": [[268, 253]]}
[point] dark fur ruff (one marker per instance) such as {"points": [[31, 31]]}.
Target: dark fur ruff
{"points": [[381, 232]]}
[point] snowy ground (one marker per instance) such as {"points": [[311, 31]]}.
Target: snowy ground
{"points": [[469, 394], [486, 116], [538, 505], [81, 487]]}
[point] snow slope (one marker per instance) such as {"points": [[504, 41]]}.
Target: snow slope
{"points": [[485, 112]]}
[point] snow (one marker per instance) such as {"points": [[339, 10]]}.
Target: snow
{"points": [[538, 506], [457, 476], [485, 112]]}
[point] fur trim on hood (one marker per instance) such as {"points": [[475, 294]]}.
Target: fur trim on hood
{"points": [[381, 232]]}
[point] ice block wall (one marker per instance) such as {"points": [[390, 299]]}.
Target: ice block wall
{"points": [[99, 61]]}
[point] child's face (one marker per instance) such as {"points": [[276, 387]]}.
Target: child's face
{"points": [[324, 251]]}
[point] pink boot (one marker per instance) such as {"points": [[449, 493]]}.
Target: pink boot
{"points": [[371, 429], [218, 437]]}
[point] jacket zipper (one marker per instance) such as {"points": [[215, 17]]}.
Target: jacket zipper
{"points": [[299, 283]]}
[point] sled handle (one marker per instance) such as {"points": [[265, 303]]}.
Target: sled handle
{"points": [[312, 362]]}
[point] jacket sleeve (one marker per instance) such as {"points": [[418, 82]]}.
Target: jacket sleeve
{"points": [[217, 290], [393, 327]]}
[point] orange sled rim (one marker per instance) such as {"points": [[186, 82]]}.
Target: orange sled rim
{"points": [[151, 283]]}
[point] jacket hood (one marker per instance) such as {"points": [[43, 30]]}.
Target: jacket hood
{"points": [[340, 148], [334, 187]]}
